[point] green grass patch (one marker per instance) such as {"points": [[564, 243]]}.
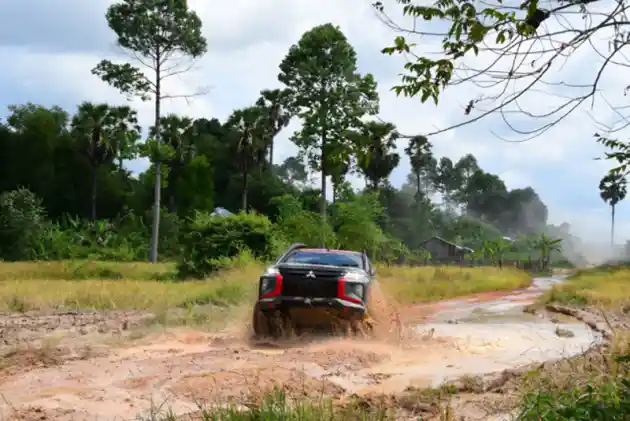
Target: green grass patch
{"points": [[607, 286], [594, 386], [85, 269], [407, 284], [278, 406]]}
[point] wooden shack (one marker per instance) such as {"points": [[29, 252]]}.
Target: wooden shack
{"points": [[444, 251]]}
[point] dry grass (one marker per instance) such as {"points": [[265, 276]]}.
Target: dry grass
{"points": [[28, 286], [602, 287], [57, 285], [430, 283], [83, 269]]}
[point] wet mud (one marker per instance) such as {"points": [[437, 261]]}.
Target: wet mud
{"points": [[181, 369]]}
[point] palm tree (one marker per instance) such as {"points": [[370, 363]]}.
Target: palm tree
{"points": [[125, 133], [375, 149], [612, 190], [275, 115], [176, 132], [248, 125], [97, 130]]}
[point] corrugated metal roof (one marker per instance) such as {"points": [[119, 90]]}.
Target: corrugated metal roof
{"points": [[221, 212], [468, 249]]}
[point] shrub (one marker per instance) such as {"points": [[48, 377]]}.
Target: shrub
{"points": [[355, 220], [298, 225], [210, 241], [22, 222], [392, 251]]}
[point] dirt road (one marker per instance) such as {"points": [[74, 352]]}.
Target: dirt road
{"points": [[79, 377]]}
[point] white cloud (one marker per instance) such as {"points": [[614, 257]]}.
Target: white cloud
{"points": [[247, 40]]}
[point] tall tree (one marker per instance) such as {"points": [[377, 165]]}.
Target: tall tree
{"points": [[248, 125], [375, 149], [485, 196], [159, 34], [613, 189], [420, 157], [339, 164], [276, 115], [461, 174], [176, 132], [327, 94], [97, 129], [293, 171]]}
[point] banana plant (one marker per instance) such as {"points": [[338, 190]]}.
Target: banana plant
{"points": [[546, 245], [489, 251], [501, 246]]}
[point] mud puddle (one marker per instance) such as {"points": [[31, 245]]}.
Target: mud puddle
{"points": [[495, 335], [182, 369]]}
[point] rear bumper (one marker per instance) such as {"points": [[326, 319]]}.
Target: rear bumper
{"points": [[323, 306]]}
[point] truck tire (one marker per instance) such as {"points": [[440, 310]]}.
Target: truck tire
{"points": [[269, 325], [261, 323]]}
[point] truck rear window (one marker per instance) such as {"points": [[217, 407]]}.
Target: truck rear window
{"points": [[325, 258]]}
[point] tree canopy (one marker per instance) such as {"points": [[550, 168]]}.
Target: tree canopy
{"points": [[83, 202]]}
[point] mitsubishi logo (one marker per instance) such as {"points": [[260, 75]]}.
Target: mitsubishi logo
{"points": [[310, 274]]}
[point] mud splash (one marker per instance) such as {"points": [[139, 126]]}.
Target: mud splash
{"points": [[180, 369]]}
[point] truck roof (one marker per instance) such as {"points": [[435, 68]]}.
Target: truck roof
{"points": [[323, 250]]}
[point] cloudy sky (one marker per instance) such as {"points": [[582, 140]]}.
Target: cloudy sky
{"points": [[47, 49]]}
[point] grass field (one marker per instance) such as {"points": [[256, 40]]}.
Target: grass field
{"points": [[603, 286], [110, 285], [409, 285]]}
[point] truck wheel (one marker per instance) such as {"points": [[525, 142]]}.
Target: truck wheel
{"points": [[272, 325], [261, 323]]}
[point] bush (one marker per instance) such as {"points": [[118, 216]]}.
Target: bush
{"points": [[22, 223], [392, 251], [355, 222], [298, 225], [210, 241]]}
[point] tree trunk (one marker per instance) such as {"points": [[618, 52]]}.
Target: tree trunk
{"points": [[157, 188], [245, 187], [612, 227], [271, 153], [94, 185], [323, 184], [170, 190]]}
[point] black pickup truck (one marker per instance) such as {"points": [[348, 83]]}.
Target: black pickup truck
{"points": [[312, 287]]}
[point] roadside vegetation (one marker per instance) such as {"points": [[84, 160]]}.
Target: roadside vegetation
{"points": [[70, 285], [595, 385], [606, 286]]}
